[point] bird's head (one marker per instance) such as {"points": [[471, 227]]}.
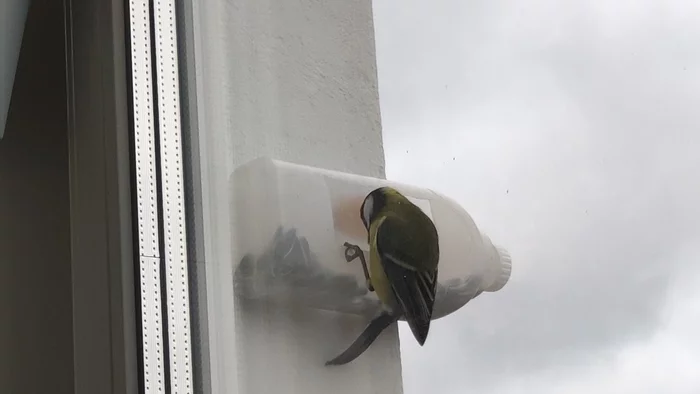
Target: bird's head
{"points": [[376, 201]]}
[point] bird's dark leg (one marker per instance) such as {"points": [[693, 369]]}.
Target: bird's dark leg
{"points": [[353, 252]]}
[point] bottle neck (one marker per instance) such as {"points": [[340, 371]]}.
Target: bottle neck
{"points": [[498, 263]]}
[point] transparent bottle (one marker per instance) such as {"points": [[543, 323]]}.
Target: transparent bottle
{"points": [[290, 223]]}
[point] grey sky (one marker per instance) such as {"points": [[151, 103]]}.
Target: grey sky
{"points": [[570, 131]]}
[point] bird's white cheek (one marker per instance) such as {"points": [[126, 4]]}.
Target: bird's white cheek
{"points": [[367, 211]]}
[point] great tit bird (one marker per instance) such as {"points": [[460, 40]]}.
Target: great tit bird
{"points": [[403, 266]]}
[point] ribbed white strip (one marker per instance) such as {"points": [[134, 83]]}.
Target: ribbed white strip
{"points": [[175, 244], [146, 197]]}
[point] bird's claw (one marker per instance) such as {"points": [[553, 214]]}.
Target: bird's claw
{"points": [[353, 252]]}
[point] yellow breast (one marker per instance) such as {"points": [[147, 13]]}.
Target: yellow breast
{"points": [[380, 282]]}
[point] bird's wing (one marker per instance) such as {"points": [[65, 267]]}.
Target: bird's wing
{"points": [[414, 289]]}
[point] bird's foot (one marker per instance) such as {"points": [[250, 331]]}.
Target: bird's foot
{"points": [[353, 252]]}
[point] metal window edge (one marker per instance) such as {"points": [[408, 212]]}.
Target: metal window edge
{"points": [[104, 332]]}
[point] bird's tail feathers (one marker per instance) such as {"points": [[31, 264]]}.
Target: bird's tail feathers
{"points": [[371, 332]]}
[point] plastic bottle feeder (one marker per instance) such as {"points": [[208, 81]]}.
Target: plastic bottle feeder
{"points": [[291, 222]]}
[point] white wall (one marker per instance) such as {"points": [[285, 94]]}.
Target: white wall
{"points": [[294, 80]]}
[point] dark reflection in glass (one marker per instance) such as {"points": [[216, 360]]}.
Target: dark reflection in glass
{"points": [[289, 271]]}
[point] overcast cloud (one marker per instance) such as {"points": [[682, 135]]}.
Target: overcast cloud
{"points": [[570, 130]]}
